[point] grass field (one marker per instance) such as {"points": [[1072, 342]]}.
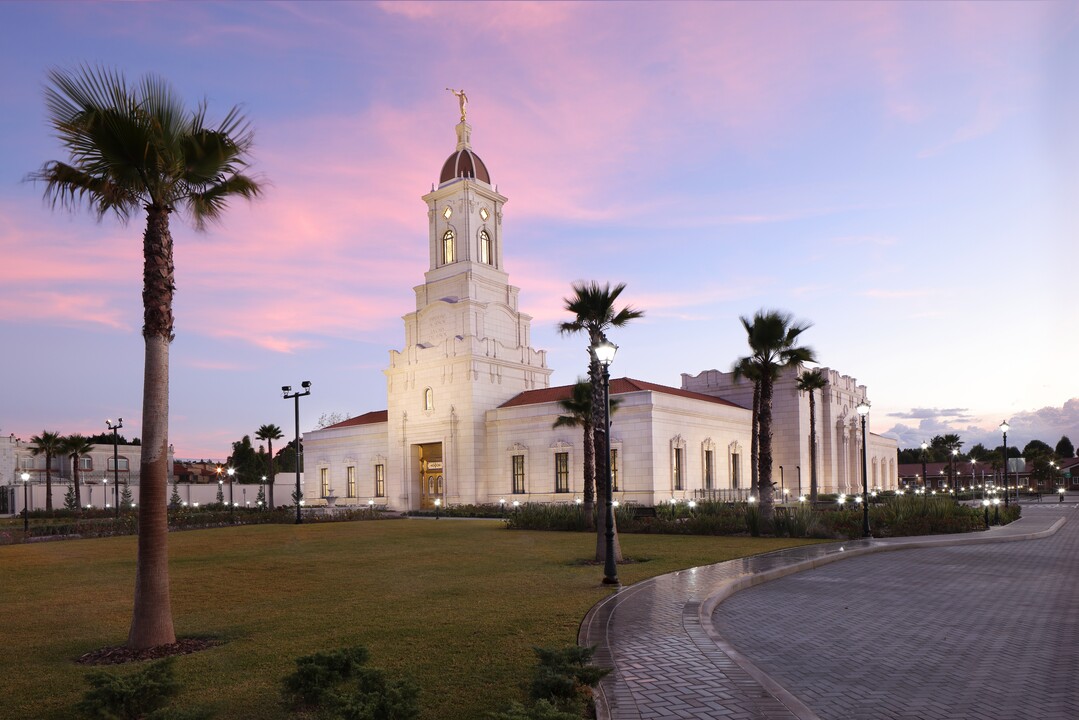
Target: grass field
{"points": [[457, 605]]}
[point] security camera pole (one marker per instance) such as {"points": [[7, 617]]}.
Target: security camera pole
{"points": [[286, 390]]}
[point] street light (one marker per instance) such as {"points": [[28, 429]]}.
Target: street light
{"points": [[925, 446], [115, 461], [105, 492], [1004, 428], [286, 390], [438, 506], [25, 502], [863, 410], [955, 456], [231, 472], [605, 352]]}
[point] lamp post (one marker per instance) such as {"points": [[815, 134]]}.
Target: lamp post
{"points": [[231, 472], [438, 506], [863, 410], [286, 390], [263, 490], [25, 477], [1004, 428], [605, 352], [115, 462], [925, 446], [955, 456]]}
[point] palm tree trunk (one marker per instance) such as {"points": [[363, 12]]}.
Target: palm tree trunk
{"points": [[589, 476], [75, 481], [812, 448], [151, 622], [269, 444], [765, 444], [754, 440]]}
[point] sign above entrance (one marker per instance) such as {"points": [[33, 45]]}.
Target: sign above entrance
{"points": [[434, 465]]}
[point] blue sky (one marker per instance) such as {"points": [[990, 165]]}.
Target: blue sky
{"points": [[905, 176]]}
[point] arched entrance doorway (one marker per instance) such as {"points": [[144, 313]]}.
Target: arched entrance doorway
{"points": [[432, 474]]}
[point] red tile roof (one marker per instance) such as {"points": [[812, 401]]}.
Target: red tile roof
{"points": [[619, 386], [370, 418]]}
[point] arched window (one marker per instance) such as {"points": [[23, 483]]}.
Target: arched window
{"points": [[448, 242], [428, 399], [485, 248]]}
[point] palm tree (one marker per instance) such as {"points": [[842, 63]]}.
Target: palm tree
{"points": [[135, 148], [269, 433], [594, 309], [810, 381], [50, 444], [773, 343], [75, 446], [578, 409], [746, 369]]}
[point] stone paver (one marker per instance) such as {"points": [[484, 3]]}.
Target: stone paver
{"points": [[972, 631], [669, 664]]}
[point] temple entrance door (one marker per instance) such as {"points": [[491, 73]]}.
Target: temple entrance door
{"points": [[432, 482]]}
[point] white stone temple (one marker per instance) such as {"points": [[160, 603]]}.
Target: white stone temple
{"points": [[470, 408]]}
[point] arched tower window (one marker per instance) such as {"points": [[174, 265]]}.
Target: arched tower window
{"points": [[448, 247], [428, 399], [486, 256]]}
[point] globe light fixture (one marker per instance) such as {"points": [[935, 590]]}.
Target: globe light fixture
{"points": [[604, 352]]}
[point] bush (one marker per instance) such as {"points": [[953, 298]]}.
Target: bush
{"points": [[549, 516], [321, 684], [131, 696], [562, 685]]}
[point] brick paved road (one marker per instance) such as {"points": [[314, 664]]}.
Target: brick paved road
{"points": [[956, 633]]}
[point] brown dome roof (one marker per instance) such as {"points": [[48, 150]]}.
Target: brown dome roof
{"points": [[464, 163]]}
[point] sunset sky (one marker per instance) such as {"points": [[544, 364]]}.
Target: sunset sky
{"points": [[904, 176]]}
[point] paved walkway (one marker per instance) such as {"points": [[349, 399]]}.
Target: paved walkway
{"points": [[835, 649]]}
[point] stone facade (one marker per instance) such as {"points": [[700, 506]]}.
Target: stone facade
{"points": [[838, 432], [470, 410]]}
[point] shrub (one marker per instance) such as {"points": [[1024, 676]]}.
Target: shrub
{"points": [[562, 683], [131, 696], [753, 519], [337, 685]]}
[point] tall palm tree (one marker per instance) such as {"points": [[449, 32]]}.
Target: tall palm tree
{"points": [[135, 148], [810, 381], [75, 446], [746, 369], [50, 444], [594, 309], [773, 343], [578, 409], [269, 433]]}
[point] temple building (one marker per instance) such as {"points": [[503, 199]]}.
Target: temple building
{"points": [[470, 410]]}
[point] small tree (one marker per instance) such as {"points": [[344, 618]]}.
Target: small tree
{"points": [[1064, 449], [126, 500], [260, 500], [70, 503], [175, 501]]}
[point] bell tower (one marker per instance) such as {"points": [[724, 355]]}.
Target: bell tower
{"points": [[467, 345]]}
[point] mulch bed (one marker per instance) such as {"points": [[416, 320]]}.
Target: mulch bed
{"points": [[120, 654]]}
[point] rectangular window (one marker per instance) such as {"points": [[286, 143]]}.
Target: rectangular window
{"points": [[26, 463], [86, 463], [351, 491], [518, 474], [324, 481], [736, 469], [614, 470], [122, 464], [561, 472], [709, 464], [380, 481], [677, 469]]}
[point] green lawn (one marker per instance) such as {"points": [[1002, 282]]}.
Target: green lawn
{"points": [[455, 604]]}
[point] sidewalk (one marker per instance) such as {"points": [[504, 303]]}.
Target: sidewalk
{"points": [[668, 659]]}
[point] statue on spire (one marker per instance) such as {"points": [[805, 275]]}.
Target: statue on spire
{"points": [[462, 99]]}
